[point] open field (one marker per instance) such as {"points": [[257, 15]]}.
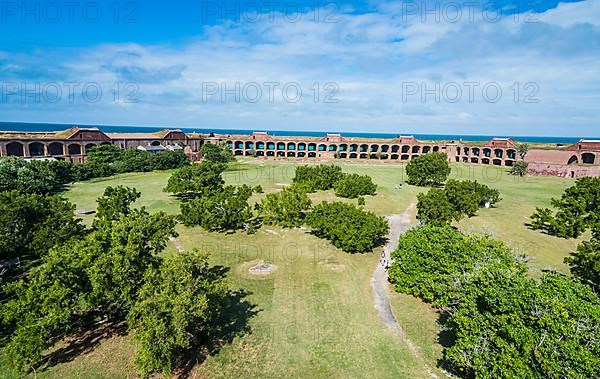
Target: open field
{"points": [[314, 314]]}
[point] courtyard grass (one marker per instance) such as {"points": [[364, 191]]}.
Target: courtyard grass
{"points": [[315, 314]]}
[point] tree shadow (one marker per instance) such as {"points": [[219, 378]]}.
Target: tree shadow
{"points": [[84, 341], [232, 322]]}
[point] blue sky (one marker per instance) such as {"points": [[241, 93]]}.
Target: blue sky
{"points": [[499, 67]]}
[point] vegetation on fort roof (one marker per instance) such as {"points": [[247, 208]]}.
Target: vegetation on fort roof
{"points": [[503, 324], [430, 169], [456, 200], [347, 227]]}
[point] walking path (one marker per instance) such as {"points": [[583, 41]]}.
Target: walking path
{"points": [[379, 281]]}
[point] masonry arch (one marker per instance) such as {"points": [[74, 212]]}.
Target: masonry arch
{"points": [[56, 148], [588, 158], [36, 149], [74, 149], [573, 160], [15, 149]]}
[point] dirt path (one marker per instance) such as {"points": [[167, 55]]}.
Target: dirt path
{"points": [[379, 281]]}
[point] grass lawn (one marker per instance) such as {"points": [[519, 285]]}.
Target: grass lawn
{"points": [[315, 314]]}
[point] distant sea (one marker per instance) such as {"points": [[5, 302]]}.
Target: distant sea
{"points": [[41, 127]]}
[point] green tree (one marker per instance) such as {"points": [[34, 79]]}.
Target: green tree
{"points": [[115, 202], [522, 150], [197, 179], [105, 154], [31, 224], [80, 282], [286, 208], [353, 185], [519, 168], [177, 310], [224, 210], [216, 153], [434, 208], [34, 177], [585, 261], [428, 170], [577, 210], [317, 178], [348, 227]]}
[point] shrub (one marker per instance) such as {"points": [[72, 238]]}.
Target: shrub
{"points": [[223, 210], [457, 199], [286, 208], [519, 168], [428, 170], [576, 210], [197, 179], [347, 227], [177, 311], [434, 208], [317, 178], [216, 153], [353, 185]]}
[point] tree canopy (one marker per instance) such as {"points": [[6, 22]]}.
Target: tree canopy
{"points": [[197, 179], [216, 153], [347, 227], [458, 199], [503, 323], [577, 210], [352, 186], [317, 178], [223, 210], [428, 170], [179, 307], [31, 224], [286, 208]]}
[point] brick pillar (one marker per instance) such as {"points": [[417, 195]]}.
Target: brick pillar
{"points": [[26, 150], [3, 149]]}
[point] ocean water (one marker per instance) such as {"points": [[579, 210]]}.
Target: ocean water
{"points": [[43, 127]]}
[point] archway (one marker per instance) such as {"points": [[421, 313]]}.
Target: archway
{"points": [[573, 160], [56, 148], [14, 149], [74, 149], [36, 149], [588, 158]]}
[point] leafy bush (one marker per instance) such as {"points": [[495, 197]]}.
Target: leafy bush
{"points": [[177, 310], [585, 261], [353, 185], [519, 168], [434, 208], [216, 153], [286, 208], [347, 227], [502, 323], [197, 179], [317, 178], [32, 224], [80, 282], [428, 170], [457, 199], [227, 209], [576, 210]]}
